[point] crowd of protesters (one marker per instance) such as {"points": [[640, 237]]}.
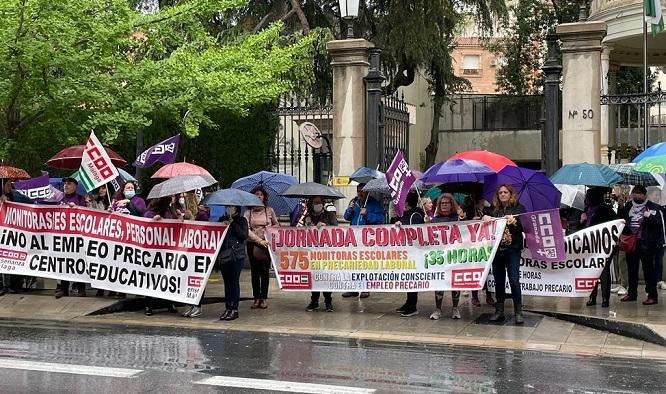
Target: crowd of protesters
{"points": [[246, 239]]}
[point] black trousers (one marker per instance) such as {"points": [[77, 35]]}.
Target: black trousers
{"points": [[328, 297], [642, 256], [260, 271], [605, 280]]}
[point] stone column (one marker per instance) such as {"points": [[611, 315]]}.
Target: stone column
{"points": [[350, 65], [604, 112], [612, 110], [581, 86]]}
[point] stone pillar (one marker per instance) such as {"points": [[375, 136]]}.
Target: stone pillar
{"points": [[604, 112], [350, 65], [612, 111], [581, 87]]}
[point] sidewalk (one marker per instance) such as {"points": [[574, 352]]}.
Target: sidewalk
{"points": [[374, 319]]}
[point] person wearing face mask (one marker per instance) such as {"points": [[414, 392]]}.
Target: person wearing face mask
{"points": [[128, 202], [316, 215], [645, 220]]}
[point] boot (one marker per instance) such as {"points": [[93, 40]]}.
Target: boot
{"points": [[498, 316], [518, 311]]}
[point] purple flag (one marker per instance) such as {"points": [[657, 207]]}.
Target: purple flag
{"points": [[39, 189], [400, 179], [544, 235], [164, 152]]}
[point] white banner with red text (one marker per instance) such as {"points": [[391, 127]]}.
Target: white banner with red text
{"points": [[165, 259], [441, 256], [586, 254]]}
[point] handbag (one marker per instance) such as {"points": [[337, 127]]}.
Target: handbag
{"points": [[234, 253], [260, 253], [627, 242]]}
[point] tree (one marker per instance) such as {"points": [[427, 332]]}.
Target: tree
{"points": [[72, 66]]}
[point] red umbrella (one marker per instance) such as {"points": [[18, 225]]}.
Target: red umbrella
{"points": [[183, 168], [492, 160], [70, 158], [7, 172]]}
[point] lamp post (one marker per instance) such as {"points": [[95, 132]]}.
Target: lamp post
{"points": [[349, 11]]}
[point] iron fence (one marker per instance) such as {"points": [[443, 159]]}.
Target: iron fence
{"points": [[474, 112], [393, 129]]}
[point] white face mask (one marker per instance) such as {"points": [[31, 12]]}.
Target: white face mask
{"points": [[181, 201], [230, 211], [318, 207]]}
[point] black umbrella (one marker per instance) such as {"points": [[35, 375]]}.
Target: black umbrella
{"points": [[311, 189]]}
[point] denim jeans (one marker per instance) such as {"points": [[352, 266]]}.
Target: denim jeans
{"points": [[231, 275], [507, 261]]}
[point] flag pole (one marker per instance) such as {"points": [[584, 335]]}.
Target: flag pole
{"points": [[645, 82]]}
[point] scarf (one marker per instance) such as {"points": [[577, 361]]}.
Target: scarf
{"points": [[636, 215]]}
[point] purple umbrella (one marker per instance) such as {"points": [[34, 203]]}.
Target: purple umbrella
{"points": [[535, 191], [456, 171]]}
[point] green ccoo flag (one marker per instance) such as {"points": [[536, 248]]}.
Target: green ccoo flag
{"points": [[653, 15]]}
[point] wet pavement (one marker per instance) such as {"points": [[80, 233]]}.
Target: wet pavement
{"points": [[84, 358]]}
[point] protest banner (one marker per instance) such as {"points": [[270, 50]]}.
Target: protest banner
{"points": [[164, 259], [543, 234], [587, 253], [437, 256], [400, 180]]}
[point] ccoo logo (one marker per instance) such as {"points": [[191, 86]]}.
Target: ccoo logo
{"points": [[585, 284], [296, 280], [469, 278], [195, 281], [13, 255]]}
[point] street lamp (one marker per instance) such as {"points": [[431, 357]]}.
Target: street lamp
{"points": [[349, 11]]}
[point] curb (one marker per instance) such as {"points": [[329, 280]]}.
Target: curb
{"points": [[620, 327], [137, 304]]}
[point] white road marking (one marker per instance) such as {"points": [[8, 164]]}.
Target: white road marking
{"points": [[10, 363], [282, 385]]}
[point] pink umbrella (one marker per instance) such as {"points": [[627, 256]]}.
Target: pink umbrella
{"points": [[183, 168]]}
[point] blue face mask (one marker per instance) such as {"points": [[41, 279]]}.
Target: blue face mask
{"points": [[130, 193]]}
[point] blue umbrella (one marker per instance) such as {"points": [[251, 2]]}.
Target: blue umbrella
{"points": [[238, 197], [655, 150], [126, 175], [274, 183], [365, 174], [586, 174], [534, 190], [456, 171]]}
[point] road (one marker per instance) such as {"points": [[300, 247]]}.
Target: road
{"points": [[40, 358]]}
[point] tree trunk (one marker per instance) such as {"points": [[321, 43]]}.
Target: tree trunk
{"points": [[296, 6], [433, 146]]}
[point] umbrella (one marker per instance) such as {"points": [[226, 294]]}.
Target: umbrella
{"points": [[7, 172], [365, 174], [274, 183], [70, 158], [380, 185], [655, 150], [126, 176], [586, 174], [572, 196], [227, 197], [179, 184], [534, 190], [653, 164], [493, 160], [182, 168], [311, 189], [633, 177], [456, 171]]}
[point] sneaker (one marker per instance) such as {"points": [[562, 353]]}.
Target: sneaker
{"points": [[622, 291], [456, 314], [615, 289], [409, 312], [329, 307], [196, 311], [188, 311], [661, 285], [436, 314], [349, 294], [365, 294], [312, 306], [402, 309]]}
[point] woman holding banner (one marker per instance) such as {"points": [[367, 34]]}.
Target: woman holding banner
{"points": [[446, 210], [507, 258], [99, 200], [316, 215], [158, 209], [597, 212], [258, 219]]}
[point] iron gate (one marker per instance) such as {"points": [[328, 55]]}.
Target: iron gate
{"points": [[289, 153], [393, 129]]}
